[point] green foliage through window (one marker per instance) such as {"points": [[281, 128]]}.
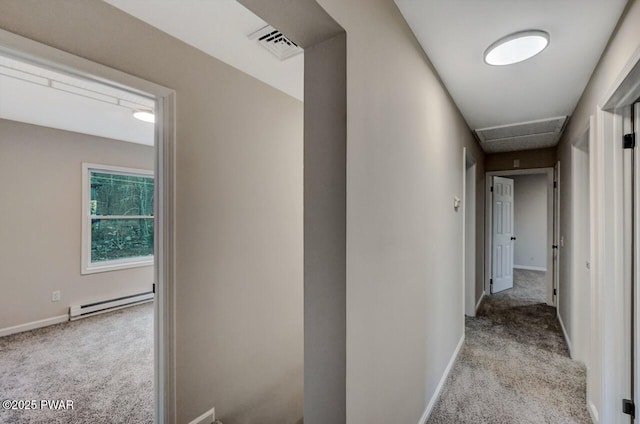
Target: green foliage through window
{"points": [[121, 216]]}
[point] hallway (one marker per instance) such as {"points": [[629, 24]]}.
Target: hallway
{"points": [[326, 208], [514, 366]]}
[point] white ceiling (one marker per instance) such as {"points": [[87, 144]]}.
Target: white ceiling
{"points": [[41, 96], [456, 33], [220, 28], [45, 97]]}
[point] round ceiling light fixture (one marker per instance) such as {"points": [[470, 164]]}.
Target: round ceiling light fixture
{"points": [[516, 47], [144, 115]]}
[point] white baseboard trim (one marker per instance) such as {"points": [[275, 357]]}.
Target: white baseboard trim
{"points": [[566, 336], [530, 268], [436, 394], [593, 411], [207, 418], [33, 325], [480, 301]]}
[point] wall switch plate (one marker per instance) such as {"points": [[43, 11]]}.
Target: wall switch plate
{"points": [[56, 296]]}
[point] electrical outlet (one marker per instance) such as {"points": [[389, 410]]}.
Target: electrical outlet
{"points": [[56, 296], [516, 163]]}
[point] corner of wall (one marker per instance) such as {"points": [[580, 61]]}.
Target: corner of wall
{"points": [[436, 394], [564, 332]]}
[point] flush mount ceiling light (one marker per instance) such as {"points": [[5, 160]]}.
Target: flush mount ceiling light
{"points": [[144, 115], [516, 47]]}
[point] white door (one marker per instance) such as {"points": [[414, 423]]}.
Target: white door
{"points": [[502, 235]]}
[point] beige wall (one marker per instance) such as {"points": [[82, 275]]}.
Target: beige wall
{"points": [[239, 214], [538, 158], [624, 42], [325, 145], [238, 210], [404, 238], [530, 220], [325, 231], [41, 174]]}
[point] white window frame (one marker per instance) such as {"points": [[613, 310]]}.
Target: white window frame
{"points": [[87, 266]]}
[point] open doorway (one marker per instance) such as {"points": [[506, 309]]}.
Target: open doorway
{"points": [[519, 223], [581, 249], [469, 232], [84, 258]]}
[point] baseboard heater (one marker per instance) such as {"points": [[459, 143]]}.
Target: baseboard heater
{"points": [[95, 308]]}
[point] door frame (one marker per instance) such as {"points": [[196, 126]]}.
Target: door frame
{"points": [[581, 162], [608, 267], [488, 222], [557, 241], [165, 140], [469, 174], [634, 292]]}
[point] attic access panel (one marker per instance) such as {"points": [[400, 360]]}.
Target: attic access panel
{"points": [[522, 136]]}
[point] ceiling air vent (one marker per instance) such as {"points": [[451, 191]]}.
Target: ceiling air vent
{"points": [[522, 136], [274, 41]]}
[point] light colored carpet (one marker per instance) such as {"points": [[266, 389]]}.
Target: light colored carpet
{"points": [[527, 285], [514, 367], [103, 363]]}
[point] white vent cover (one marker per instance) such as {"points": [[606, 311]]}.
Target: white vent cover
{"points": [[274, 41], [522, 136]]}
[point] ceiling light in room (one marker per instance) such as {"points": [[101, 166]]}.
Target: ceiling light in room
{"points": [[516, 47], [144, 115]]}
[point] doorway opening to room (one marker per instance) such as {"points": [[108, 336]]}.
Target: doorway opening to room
{"points": [[86, 158], [469, 167], [520, 226], [614, 334], [580, 252]]}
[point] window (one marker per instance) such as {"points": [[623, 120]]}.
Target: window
{"points": [[117, 230]]}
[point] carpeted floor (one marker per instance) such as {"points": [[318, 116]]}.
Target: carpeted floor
{"points": [[527, 285], [103, 363], [514, 367]]}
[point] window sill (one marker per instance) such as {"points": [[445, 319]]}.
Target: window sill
{"points": [[116, 265]]}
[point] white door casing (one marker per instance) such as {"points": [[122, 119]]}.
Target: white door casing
{"points": [[502, 235], [580, 244], [469, 233], [557, 237], [633, 287], [488, 224], [628, 181]]}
